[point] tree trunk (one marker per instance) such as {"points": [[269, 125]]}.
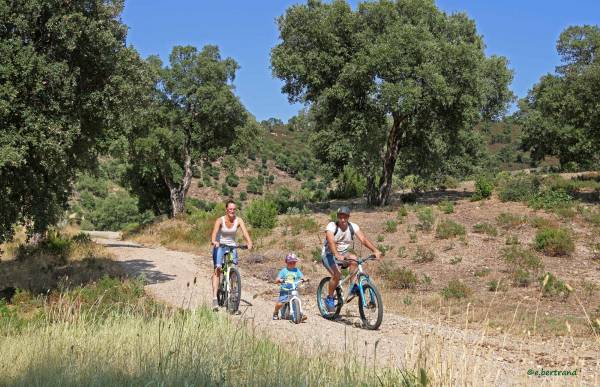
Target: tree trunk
{"points": [[179, 191], [389, 162]]}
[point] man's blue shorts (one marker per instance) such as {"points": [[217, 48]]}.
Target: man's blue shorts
{"points": [[219, 252], [329, 260]]}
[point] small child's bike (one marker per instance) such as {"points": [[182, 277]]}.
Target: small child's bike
{"points": [[370, 305], [292, 306], [229, 293]]}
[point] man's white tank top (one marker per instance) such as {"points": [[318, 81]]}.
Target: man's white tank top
{"points": [[227, 235]]}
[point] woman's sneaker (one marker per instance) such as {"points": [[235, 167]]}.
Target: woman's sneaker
{"points": [[215, 304], [330, 303]]}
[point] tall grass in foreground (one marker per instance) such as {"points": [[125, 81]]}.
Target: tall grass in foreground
{"points": [[170, 348]]}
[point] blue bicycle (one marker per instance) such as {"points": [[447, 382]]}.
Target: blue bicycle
{"points": [[370, 305]]}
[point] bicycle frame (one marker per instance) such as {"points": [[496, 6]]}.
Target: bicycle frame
{"points": [[293, 295], [226, 266], [361, 277]]}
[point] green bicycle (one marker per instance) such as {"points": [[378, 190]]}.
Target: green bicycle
{"points": [[370, 304], [229, 293]]}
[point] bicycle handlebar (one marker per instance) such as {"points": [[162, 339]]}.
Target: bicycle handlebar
{"points": [[242, 247], [345, 261]]}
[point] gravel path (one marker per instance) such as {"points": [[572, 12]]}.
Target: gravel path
{"points": [[462, 356]]}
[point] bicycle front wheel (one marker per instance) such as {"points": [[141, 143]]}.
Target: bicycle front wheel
{"points": [[371, 308], [235, 292], [296, 313], [322, 292]]}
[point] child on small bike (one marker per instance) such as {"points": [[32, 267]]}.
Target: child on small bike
{"points": [[286, 277]]}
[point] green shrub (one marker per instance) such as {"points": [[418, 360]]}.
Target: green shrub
{"points": [[485, 228], [551, 199], [391, 226], [423, 255], [229, 164], [493, 285], [456, 289], [552, 286], [243, 196], [116, 210], [350, 184], [483, 272], [483, 188], [539, 222], [455, 260], [554, 241], [426, 218], [255, 186], [512, 240], [232, 180], [446, 206], [316, 254], [507, 220], [521, 278], [449, 229], [590, 215], [226, 191], [402, 212], [398, 278], [380, 238], [517, 257], [262, 213], [515, 188]]}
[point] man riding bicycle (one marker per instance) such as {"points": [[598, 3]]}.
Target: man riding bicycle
{"points": [[223, 234], [338, 236]]}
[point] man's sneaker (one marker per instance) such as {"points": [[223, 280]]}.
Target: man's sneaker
{"points": [[275, 316], [215, 305], [330, 303]]}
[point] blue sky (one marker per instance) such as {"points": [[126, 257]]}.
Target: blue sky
{"points": [[524, 31]]}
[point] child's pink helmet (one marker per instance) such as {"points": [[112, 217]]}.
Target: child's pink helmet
{"points": [[291, 257]]}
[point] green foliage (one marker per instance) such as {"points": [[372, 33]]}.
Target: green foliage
{"points": [[552, 286], [255, 186], [117, 210], [380, 238], [243, 196], [455, 260], [426, 218], [551, 199], [350, 184], [397, 278], [402, 212], [507, 220], [515, 188], [232, 180], [446, 206], [295, 224], [191, 114], [449, 229], [66, 77], [554, 241], [557, 114], [262, 213], [348, 56], [390, 226], [423, 255], [485, 228], [517, 257], [484, 187], [226, 191], [456, 289]]}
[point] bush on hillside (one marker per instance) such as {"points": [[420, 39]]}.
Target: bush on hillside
{"points": [[262, 213], [232, 180], [449, 229], [117, 210], [554, 241], [350, 184], [516, 188], [483, 188]]}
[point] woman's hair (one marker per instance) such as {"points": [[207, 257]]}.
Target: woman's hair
{"points": [[228, 202]]}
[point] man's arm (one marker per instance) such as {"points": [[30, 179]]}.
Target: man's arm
{"points": [[366, 242]]}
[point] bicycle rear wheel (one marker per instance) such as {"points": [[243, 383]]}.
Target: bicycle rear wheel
{"points": [[371, 314], [235, 290], [322, 292]]}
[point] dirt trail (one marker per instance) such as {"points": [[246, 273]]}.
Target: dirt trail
{"points": [[465, 356]]}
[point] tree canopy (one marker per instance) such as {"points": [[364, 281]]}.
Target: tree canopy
{"points": [[64, 80], [560, 114], [193, 115], [393, 81]]}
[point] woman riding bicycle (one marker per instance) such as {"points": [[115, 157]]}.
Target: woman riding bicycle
{"points": [[224, 234], [338, 236]]}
